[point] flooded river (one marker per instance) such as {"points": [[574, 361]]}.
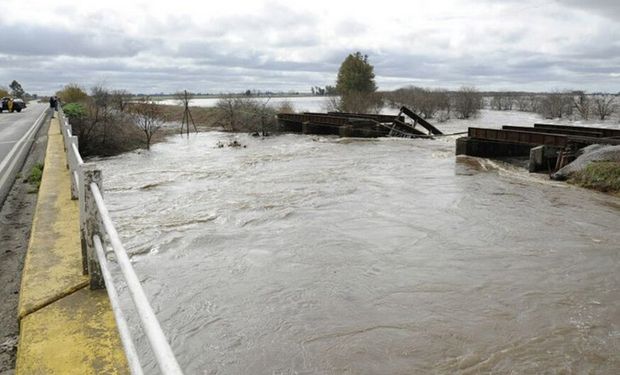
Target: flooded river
{"points": [[316, 255]]}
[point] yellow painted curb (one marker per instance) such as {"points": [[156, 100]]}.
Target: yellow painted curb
{"points": [[75, 335], [65, 328], [53, 265]]}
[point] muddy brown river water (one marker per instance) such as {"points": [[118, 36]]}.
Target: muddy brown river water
{"points": [[317, 255]]}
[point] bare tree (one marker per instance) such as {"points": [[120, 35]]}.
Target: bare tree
{"points": [[119, 99], [424, 101], [147, 116], [556, 104], [603, 106], [228, 107], [246, 114], [286, 107], [526, 103], [101, 130], [265, 115], [502, 101], [357, 102], [467, 102], [332, 104], [583, 104], [102, 100]]}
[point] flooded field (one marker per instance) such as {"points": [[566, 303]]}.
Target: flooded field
{"points": [[299, 103], [305, 254]]}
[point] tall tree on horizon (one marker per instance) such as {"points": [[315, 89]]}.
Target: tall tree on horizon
{"points": [[356, 85], [356, 74]]}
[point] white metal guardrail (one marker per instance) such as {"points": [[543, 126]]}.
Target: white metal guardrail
{"points": [[96, 230]]}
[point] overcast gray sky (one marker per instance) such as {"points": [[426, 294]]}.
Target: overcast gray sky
{"points": [[165, 46]]}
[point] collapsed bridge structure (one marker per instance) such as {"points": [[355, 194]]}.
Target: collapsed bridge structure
{"points": [[548, 146], [363, 125]]}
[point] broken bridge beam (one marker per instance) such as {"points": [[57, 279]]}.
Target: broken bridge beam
{"points": [[427, 125]]}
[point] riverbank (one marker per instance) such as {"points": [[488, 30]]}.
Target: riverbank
{"points": [[205, 118], [603, 176]]}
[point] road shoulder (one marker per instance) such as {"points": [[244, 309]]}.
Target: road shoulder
{"points": [[15, 225]]}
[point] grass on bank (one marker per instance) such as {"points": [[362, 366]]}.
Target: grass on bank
{"points": [[34, 178], [603, 176]]}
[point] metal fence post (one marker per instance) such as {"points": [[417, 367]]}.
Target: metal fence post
{"points": [[91, 225], [83, 235], [74, 166], [65, 139]]}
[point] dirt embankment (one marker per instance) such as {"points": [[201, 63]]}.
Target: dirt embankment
{"points": [[15, 224], [597, 167]]}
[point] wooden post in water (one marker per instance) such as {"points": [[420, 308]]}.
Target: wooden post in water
{"points": [[187, 114]]}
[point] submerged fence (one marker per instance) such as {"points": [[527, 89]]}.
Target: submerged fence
{"points": [[97, 233]]}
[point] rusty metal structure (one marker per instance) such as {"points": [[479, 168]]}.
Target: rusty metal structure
{"points": [[519, 137], [358, 124], [606, 132], [419, 120], [585, 133], [544, 144]]}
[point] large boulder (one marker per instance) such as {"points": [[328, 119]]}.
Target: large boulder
{"points": [[588, 155]]}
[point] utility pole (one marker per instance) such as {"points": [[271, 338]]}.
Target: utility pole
{"points": [[187, 114]]}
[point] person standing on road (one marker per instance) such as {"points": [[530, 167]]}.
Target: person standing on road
{"points": [[56, 102], [9, 104], [52, 102]]}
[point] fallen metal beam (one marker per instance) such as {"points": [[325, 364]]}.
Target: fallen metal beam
{"points": [[420, 121]]}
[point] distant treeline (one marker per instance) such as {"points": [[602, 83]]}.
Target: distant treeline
{"points": [[441, 103]]}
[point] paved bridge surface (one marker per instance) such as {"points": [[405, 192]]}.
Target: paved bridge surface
{"points": [[16, 133]]}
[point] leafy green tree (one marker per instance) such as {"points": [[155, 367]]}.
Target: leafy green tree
{"points": [[16, 90], [356, 85], [356, 74], [74, 111]]}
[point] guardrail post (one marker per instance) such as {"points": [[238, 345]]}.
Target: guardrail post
{"points": [[68, 135], [74, 166], [63, 130], [90, 224]]}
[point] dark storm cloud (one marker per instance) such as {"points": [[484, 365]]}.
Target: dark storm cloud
{"points": [[276, 25], [280, 46], [27, 40], [607, 8]]}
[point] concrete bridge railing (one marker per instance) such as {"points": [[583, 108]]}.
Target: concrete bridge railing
{"points": [[97, 232]]}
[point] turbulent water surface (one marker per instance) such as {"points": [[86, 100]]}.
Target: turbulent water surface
{"points": [[304, 254]]}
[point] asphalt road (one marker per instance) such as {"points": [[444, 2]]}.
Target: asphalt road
{"points": [[14, 125], [17, 131]]}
